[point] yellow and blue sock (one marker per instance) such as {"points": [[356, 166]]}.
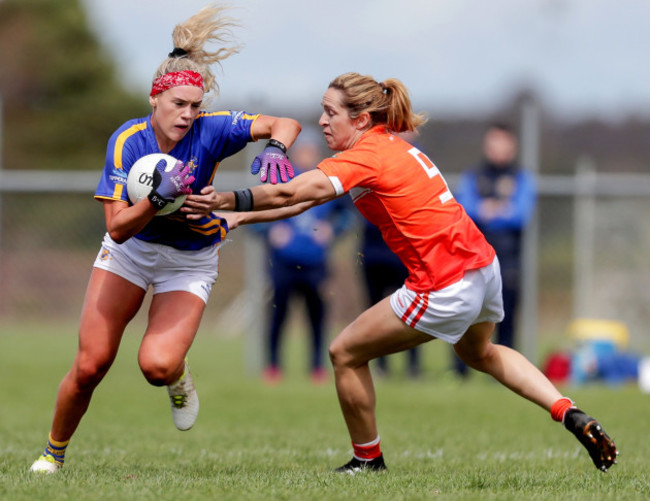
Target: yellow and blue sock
{"points": [[55, 451]]}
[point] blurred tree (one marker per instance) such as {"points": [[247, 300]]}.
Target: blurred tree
{"points": [[59, 88]]}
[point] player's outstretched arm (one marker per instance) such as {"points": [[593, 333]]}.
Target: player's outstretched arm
{"points": [[311, 186], [235, 219]]}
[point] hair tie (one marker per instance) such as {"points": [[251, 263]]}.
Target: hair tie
{"points": [[177, 52], [384, 89]]}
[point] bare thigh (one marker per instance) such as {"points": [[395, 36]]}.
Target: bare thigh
{"points": [[110, 303], [475, 343], [375, 333], [174, 319]]}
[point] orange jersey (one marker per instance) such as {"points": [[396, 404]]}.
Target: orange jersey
{"points": [[397, 188]]}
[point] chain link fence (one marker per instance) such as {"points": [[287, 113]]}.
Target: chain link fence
{"points": [[593, 242]]}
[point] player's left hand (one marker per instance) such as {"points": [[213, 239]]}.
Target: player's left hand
{"points": [[200, 204], [232, 218], [173, 183], [271, 161]]}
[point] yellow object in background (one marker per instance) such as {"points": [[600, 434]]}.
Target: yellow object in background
{"points": [[591, 329]]}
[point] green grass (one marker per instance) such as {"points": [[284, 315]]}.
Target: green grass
{"points": [[442, 439]]}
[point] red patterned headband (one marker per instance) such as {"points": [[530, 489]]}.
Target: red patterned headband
{"points": [[174, 79]]}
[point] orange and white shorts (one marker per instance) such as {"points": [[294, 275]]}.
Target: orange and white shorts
{"points": [[449, 312]]}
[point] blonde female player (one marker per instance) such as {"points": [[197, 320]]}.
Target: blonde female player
{"points": [[175, 255], [453, 291]]}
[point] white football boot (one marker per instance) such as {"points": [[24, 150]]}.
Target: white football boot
{"points": [[184, 401]]}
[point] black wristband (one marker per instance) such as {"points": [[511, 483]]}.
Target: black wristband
{"points": [[243, 200], [277, 144], [156, 200]]}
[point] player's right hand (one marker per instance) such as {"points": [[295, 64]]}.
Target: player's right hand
{"points": [[273, 163]]}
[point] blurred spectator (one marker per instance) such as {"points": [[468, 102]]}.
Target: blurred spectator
{"points": [[384, 273], [500, 196], [298, 250]]}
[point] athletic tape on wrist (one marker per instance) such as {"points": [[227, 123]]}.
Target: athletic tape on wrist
{"points": [[243, 200]]}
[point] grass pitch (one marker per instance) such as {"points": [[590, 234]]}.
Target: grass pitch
{"points": [[442, 439]]}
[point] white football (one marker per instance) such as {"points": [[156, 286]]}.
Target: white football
{"points": [[140, 180]]}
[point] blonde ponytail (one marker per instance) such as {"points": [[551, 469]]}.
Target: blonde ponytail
{"points": [[210, 24]]}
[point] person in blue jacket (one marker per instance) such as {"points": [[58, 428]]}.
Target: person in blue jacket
{"points": [[298, 251], [500, 196]]}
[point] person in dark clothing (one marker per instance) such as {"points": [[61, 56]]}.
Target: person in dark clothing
{"points": [[383, 274], [500, 196], [298, 250]]}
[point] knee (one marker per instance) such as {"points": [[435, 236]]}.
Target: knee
{"points": [[335, 353], [158, 370], [89, 372], [339, 355], [476, 359]]}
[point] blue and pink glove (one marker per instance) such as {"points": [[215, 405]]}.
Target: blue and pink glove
{"points": [[167, 185], [271, 161]]}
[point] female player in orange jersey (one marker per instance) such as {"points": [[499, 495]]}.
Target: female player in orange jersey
{"points": [[453, 291]]}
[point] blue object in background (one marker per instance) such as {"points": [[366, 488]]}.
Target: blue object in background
{"points": [[600, 359]]}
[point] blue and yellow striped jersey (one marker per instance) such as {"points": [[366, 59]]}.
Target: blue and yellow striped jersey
{"points": [[213, 137]]}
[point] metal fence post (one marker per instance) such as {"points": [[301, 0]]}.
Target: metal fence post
{"points": [[527, 322], [255, 285], [584, 236]]}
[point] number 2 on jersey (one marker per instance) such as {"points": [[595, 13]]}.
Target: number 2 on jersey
{"points": [[432, 171]]}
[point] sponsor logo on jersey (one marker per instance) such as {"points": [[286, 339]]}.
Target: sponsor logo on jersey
{"points": [[236, 117], [117, 179], [118, 173]]}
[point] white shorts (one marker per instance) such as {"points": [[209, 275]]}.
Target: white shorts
{"points": [[165, 268], [449, 312]]}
